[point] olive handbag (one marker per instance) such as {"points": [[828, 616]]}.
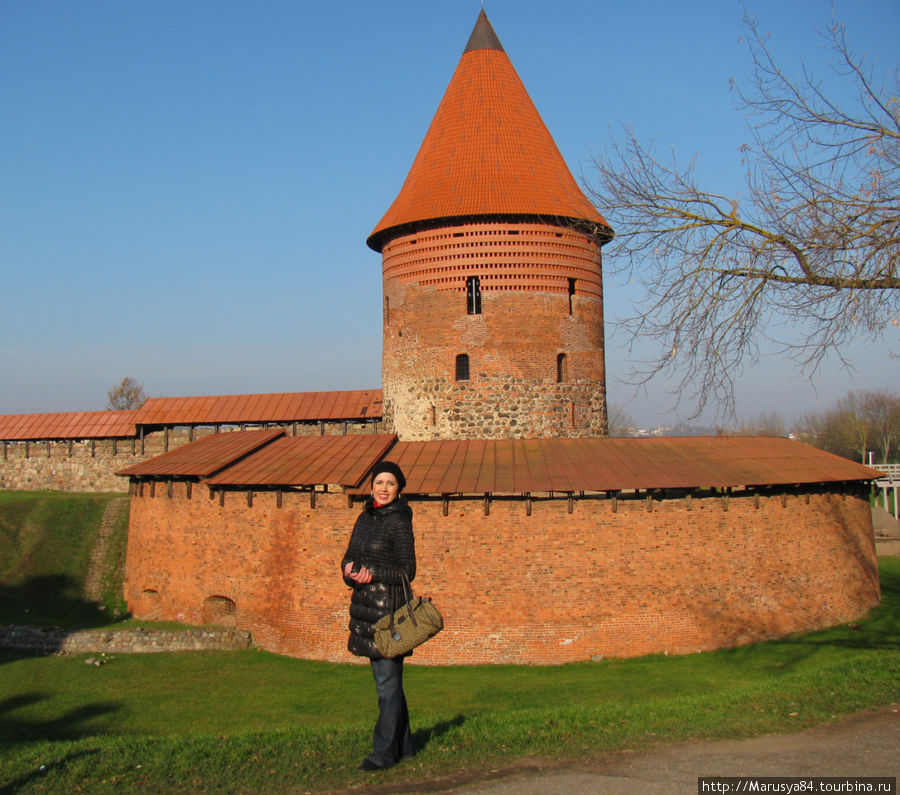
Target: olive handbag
{"points": [[409, 626]]}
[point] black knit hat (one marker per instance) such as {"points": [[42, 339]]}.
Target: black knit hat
{"points": [[389, 466]]}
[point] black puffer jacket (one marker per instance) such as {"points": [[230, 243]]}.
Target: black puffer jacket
{"points": [[382, 541]]}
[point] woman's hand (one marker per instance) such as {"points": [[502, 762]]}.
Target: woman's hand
{"points": [[363, 576]]}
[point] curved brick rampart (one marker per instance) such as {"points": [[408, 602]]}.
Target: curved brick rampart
{"points": [[519, 581]]}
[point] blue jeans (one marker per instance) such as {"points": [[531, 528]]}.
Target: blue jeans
{"points": [[392, 739]]}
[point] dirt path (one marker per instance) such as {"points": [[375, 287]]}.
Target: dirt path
{"points": [[867, 744], [112, 515]]}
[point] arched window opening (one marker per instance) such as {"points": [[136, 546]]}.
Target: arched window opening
{"points": [[473, 295], [219, 610], [462, 367], [562, 369]]}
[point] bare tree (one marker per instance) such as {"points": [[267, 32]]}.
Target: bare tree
{"points": [[619, 422], [764, 424], [808, 260], [129, 394], [859, 423]]}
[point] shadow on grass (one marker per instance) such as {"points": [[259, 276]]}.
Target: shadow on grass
{"points": [[51, 600], [70, 725], [422, 737]]}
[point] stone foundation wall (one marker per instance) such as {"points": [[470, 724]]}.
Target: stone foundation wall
{"points": [[519, 581], [62, 641]]}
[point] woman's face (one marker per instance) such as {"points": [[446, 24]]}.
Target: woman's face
{"points": [[385, 488]]}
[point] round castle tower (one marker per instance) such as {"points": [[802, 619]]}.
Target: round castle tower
{"points": [[492, 279]]}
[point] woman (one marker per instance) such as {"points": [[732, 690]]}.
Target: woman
{"points": [[381, 548]]}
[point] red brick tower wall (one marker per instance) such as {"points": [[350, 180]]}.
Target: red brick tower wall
{"points": [[533, 337]]}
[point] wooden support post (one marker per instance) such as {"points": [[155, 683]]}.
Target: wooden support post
{"points": [[133, 442], [784, 500], [48, 449], [344, 428], [70, 448], [446, 506], [649, 501], [615, 502], [115, 446], [152, 488], [141, 488], [689, 502], [142, 440], [5, 454], [249, 499], [170, 489], [528, 504], [221, 497], [188, 489], [570, 508], [349, 500], [190, 433], [487, 505], [166, 439], [312, 498], [93, 448], [321, 427], [279, 498], [293, 429], [725, 502], [756, 501]]}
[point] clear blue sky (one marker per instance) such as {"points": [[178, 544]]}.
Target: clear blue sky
{"points": [[187, 186]]}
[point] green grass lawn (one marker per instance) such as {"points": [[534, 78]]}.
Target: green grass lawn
{"points": [[255, 721]]}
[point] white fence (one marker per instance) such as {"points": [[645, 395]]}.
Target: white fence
{"points": [[892, 481]]}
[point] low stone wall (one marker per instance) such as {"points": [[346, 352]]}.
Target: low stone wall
{"points": [[53, 640]]}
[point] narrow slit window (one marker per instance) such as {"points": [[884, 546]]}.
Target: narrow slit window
{"points": [[462, 367], [473, 295], [571, 293], [562, 368]]}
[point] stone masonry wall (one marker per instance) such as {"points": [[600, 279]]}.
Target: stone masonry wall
{"points": [[90, 465], [516, 584]]}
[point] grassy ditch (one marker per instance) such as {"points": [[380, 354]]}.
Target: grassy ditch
{"points": [[46, 541], [255, 721]]}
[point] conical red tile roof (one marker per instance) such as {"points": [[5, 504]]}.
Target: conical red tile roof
{"points": [[487, 152]]}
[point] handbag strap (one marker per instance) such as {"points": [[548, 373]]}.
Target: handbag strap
{"points": [[407, 599]]}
